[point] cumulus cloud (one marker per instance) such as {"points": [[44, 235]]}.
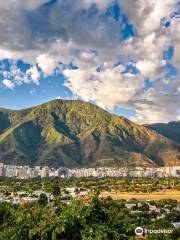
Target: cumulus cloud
{"points": [[147, 67], [42, 26], [146, 15], [18, 77], [46, 63], [174, 33], [157, 107], [8, 84], [34, 74], [46, 34], [108, 88]]}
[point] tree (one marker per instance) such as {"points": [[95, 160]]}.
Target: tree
{"points": [[144, 207], [28, 189], [176, 234], [43, 200], [56, 191]]}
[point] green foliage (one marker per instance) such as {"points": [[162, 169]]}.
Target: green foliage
{"points": [[43, 200], [56, 189], [100, 218], [176, 234], [73, 133]]}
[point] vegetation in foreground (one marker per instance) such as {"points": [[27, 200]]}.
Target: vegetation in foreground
{"points": [[101, 219], [97, 219]]}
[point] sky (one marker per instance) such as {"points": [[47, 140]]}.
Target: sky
{"points": [[122, 55]]}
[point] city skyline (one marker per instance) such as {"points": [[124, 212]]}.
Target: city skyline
{"points": [[28, 172]]}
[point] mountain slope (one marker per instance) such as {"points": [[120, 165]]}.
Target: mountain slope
{"points": [[170, 130], [73, 133]]}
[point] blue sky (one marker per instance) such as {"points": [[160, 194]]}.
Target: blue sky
{"points": [[112, 53]]}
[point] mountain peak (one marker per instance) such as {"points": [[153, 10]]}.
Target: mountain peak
{"points": [[74, 133]]}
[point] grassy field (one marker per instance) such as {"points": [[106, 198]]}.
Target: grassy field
{"points": [[143, 196]]}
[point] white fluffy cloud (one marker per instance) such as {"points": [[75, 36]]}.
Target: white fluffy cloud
{"points": [[157, 106], [68, 32], [108, 88], [146, 15], [8, 84], [34, 74], [175, 36], [46, 63], [147, 67], [15, 76]]}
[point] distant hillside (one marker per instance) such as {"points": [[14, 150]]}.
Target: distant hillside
{"points": [[73, 133], [170, 130]]}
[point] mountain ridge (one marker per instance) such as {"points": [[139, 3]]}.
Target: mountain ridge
{"points": [[170, 130], [74, 133]]}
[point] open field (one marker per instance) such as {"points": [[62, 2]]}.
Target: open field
{"points": [[143, 196]]}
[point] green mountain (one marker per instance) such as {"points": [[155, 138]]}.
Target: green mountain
{"points": [[73, 133], [170, 130]]}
